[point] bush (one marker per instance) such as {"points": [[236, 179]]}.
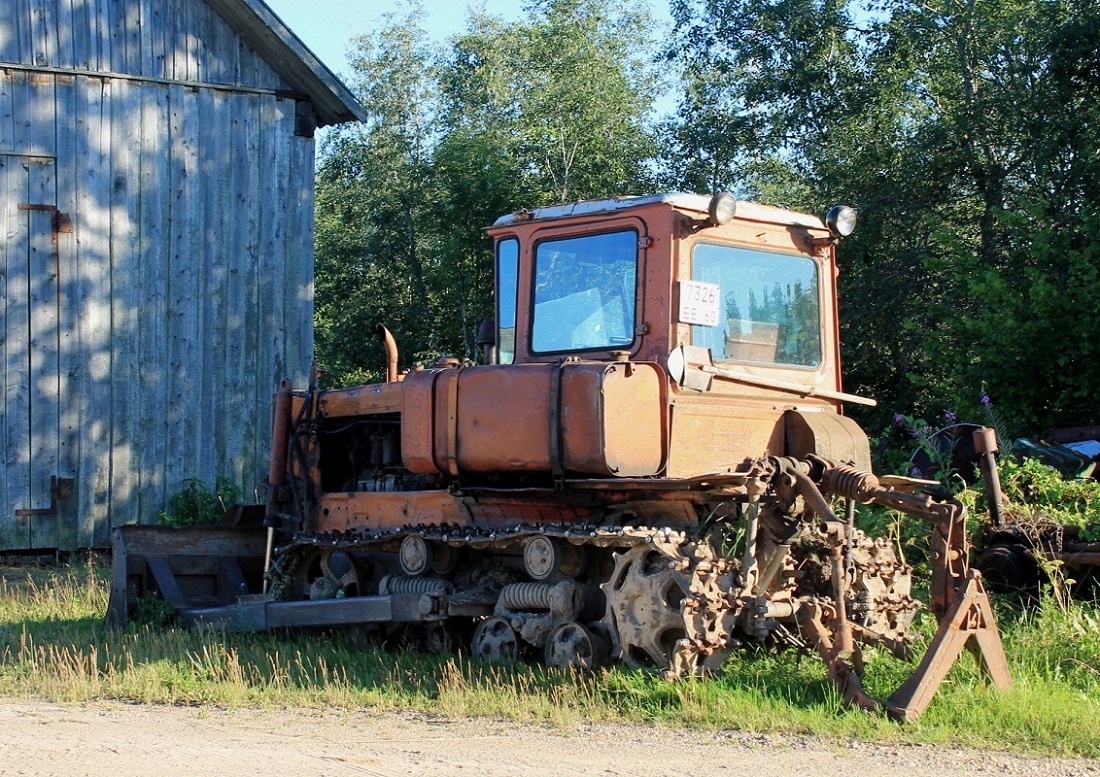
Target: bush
{"points": [[197, 505]]}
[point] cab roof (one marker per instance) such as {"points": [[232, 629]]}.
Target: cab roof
{"points": [[687, 202]]}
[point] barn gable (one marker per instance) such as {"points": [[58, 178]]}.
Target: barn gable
{"points": [[156, 173]]}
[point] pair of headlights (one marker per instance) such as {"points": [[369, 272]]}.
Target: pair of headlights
{"points": [[841, 220]]}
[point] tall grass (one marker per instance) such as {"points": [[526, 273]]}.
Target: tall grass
{"points": [[53, 646]]}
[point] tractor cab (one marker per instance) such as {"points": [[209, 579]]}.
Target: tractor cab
{"points": [[735, 301]]}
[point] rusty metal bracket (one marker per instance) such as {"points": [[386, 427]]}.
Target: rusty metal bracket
{"points": [[61, 222], [985, 444], [968, 625], [61, 489]]}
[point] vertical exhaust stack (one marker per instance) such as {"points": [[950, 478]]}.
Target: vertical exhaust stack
{"points": [[390, 346]]}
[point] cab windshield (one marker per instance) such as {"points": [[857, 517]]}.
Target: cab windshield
{"points": [[584, 292], [769, 309]]}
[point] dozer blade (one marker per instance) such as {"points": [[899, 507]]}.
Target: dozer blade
{"points": [[202, 566]]}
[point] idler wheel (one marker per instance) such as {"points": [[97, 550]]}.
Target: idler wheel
{"points": [[444, 558], [339, 576]]}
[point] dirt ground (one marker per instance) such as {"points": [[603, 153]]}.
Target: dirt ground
{"points": [[98, 740]]}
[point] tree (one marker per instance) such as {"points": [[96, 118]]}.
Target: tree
{"points": [[373, 259], [507, 116], [964, 132]]}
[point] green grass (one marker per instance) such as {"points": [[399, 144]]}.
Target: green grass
{"points": [[53, 646]]}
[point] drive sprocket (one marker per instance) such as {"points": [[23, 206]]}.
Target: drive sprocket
{"points": [[667, 607], [644, 614]]}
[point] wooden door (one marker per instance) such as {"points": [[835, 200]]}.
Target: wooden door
{"points": [[29, 354]]}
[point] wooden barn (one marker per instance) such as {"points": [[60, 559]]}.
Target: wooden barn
{"points": [[156, 252]]}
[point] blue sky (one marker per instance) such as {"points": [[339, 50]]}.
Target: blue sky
{"points": [[326, 25]]}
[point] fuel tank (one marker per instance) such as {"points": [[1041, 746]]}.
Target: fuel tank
{"points": [[592, 418]]}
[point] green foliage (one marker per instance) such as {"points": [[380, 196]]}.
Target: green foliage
{"points": [[972, 154], [1040, 494], [196, 504], [506, 116], [153, 610]]}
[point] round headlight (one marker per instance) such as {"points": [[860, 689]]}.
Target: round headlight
{"points": [[841, 220], [722, 208]]}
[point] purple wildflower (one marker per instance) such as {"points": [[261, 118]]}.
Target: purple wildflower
{"points": [[899, 419], [986, 400], [950, 417], [917, 473]]}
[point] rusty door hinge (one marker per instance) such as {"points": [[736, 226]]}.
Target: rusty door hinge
{"points": [[61, 222], [61, 489]]}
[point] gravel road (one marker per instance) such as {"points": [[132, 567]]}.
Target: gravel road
{"points": [[116, 740]]}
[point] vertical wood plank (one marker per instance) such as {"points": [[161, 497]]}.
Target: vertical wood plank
{"points": [[81, 20], [12, 323], [44, 32], [250, 372], [7, 113], [218, 334], [43, 126], [9, 37], [91, 289], [153, 15], [270, 286], [131, 35], [70, 123], [22, 114], [66, 54], [116, 14], [7, 204], [17, 376], [213, 209], [236, 356], [299, 215], [125, 301], [24, 32], [197, 14], [44, 361], [153, 330], [104, 35], [187, 244]]}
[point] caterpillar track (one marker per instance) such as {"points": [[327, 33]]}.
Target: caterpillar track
{"points": [[582, 595]]}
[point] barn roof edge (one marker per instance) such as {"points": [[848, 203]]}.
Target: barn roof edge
{"points": [[285, 52]]}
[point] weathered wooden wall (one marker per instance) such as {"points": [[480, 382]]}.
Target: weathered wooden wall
{"points": [[142, 348]]}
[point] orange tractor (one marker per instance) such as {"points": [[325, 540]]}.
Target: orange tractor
{"points": [[650, 467]]}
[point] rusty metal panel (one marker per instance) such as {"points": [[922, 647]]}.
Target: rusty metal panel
{"points": [[612, 418], [504, 419], [709, 438], [376, 398], [601, 419], [185, 565], [834, 437], [417, 419], [388, 509]]}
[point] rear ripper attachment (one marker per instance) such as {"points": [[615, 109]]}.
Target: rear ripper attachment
{"points": [[644, 471]]}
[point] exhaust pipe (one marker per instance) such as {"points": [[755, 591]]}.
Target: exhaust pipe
{"points": [[390, 346]]}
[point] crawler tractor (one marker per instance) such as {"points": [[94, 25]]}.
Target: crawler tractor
{"points": [[651, 466]]}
